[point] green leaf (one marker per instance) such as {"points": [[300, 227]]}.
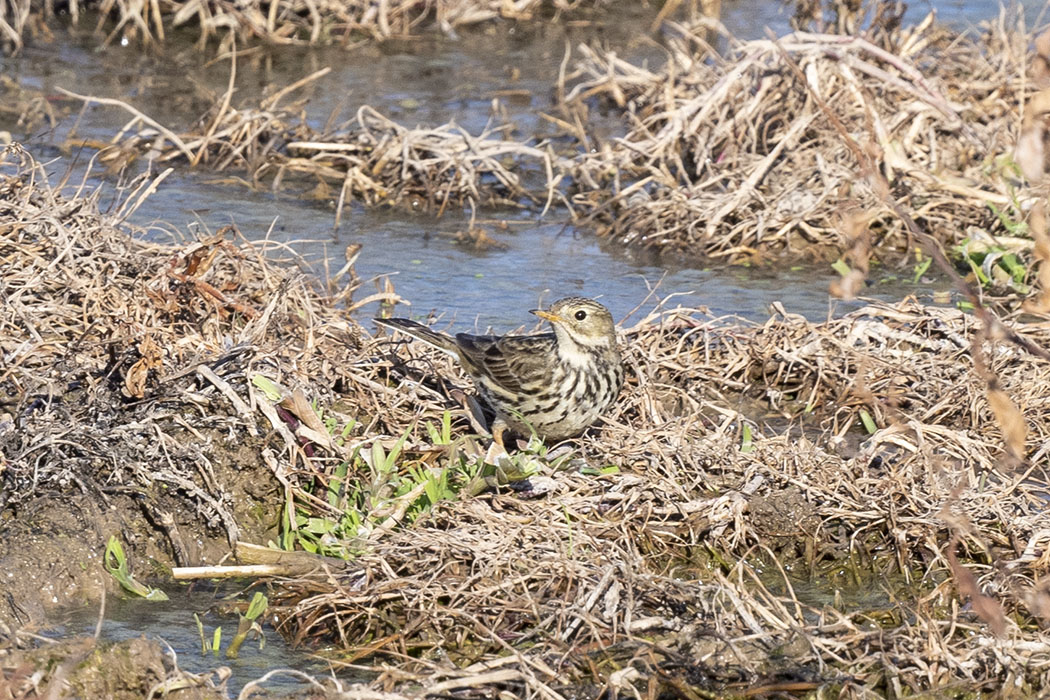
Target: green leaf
{"points": [[273, 392], [1012, 265], [841, 267], [335, 484], [320, 526], [378, 457], [600, 471], [257, 607], [200, 633], [920, 269], [1013, 225], [396, 451], [746, 444], [869, 424], [446, 428], [117, 565]]}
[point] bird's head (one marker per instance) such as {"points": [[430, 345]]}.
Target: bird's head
{"points": [[584, 322]]}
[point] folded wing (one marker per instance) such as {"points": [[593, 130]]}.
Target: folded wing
{"points": [[518, 364]]}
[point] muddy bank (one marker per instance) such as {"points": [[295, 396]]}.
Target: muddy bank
{"points": [[83, 668], [116, 352], [714, 535]]}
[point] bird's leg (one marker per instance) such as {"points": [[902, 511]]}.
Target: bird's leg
{"points": [[497, 452], [498, 428]]}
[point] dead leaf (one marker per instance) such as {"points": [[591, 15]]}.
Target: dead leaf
{"points": [[300, 407], [1010, 419], [1037, 227], [136, 376], [1031, 149], [986, 607]]}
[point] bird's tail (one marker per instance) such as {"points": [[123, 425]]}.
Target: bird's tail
{"points": [[441, 341]]}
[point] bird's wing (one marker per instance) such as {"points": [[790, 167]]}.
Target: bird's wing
{"points": [[512, 362]]}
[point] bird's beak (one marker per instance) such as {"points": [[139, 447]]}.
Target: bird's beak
{"points": [[548, 316]]}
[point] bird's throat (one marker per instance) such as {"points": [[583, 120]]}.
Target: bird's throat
{"points": [[579, 356]]}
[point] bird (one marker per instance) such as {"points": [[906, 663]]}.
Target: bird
{"points": [[554, 384]]}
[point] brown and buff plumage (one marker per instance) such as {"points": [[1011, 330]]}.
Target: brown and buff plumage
{"points": [[556, 384]]}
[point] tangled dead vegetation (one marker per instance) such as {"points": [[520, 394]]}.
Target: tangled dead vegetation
{"points": [[730, 527], [734, 154], [794, 561], [284, 23], [760, 149], [371, 159], [116, 351]]}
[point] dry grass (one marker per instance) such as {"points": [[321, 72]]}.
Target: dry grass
{"points": [[732, 527], [283, 23], [371, 159], [805, 555], [763, 150], [98, 329], [673, 571], [732, 155]]}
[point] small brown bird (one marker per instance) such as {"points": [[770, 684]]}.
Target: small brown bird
{"points": [[556, 384]]}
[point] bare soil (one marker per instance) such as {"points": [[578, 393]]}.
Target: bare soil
{"points": [[82, 668]]}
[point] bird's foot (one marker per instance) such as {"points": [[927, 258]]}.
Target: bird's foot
{"points": [[497, 450]]}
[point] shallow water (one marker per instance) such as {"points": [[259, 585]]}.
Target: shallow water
{"points": [[428, 81], [171, 622]]}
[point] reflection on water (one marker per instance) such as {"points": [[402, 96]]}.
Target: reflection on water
{"points": [[425, 81], [171, 622], [542, 260]]}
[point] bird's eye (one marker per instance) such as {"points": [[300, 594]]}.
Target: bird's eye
{"points": [[580, 315]]}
